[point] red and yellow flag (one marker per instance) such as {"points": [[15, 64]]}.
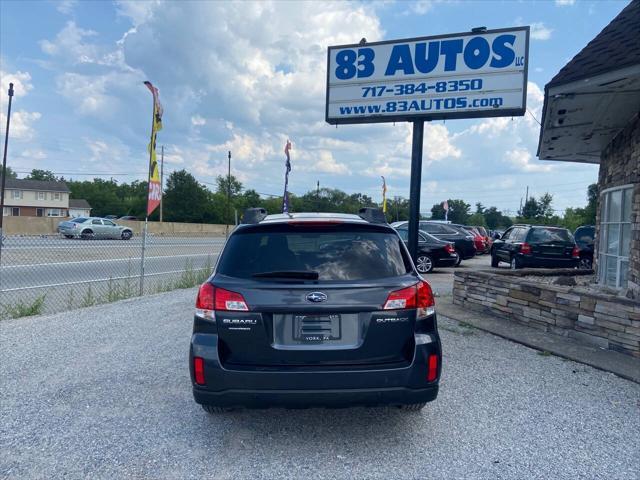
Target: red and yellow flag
{"points": [[155, 189]]}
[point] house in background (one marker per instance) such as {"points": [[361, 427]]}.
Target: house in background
{"points": [[591, 115], [79, 207], [35, 198]]}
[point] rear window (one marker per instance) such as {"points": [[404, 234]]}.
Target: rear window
{"points": [[336, 252], [79, 220], [550, 235]]}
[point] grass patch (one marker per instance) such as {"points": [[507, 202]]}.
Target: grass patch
{"points": [[24, 309], [543, 353]]}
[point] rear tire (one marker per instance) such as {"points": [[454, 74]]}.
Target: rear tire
{"points": [[413, 407], [69, 236], [585, 264], [494, 260], [213, 410], [87, 235], [515, 263], [459, 258]]}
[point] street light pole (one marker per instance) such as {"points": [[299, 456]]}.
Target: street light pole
{"points": [[228, 196], [4, 170]]}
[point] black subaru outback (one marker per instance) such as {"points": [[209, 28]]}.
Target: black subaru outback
{"points": [[314, 310]]}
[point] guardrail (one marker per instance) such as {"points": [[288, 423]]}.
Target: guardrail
{"points": [[50, 273]]}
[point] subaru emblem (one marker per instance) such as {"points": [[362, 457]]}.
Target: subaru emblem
{"points": [[316, 297]]}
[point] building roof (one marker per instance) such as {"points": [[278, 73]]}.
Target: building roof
{"points": [[595, 95], [78, 203], [24, 184], [616, 46]]}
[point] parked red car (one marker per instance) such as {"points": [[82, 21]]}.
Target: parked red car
{"points": [[478, 239], [488, 241]]}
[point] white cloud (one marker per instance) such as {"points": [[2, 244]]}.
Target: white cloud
{"points": [[69, 43], [21, 127], [324, 162], [198, 121], [523, 160], [562, 3], [34, 154], [540, 32], [66, 6], [438, 143], [21, 83], [98, 149]]}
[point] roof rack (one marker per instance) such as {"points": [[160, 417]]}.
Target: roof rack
{"points": [[254, 215], [372, 215]]}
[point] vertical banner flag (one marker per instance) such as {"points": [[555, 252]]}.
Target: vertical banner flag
{"points": [[155, 189], [384, 195], [445, 205], [285, 198]]}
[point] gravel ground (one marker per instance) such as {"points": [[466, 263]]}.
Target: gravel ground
{"points": [[104, 392]]}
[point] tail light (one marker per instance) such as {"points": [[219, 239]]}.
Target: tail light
{"points": [[205, 301], [525, 248], [576, 252], [449, 248], [212, 298], [432, 367], [418, 296], [198, 370], [230, 301]]}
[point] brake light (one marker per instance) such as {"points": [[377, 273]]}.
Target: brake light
{"points": [[198, 370], [419, 296], [449, 248], [525, 248], [576, 252], [400, 299], [205, 301], [432, 367], [229, 301]]}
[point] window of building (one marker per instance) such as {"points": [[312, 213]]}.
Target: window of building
{"points": [[16, 194], [39, 212], [15, 211], [42, 195], [56, 195], [54, 212], [615, 236]]}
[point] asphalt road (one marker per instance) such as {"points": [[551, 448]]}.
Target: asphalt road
{"points": [[72, 272], [104, 392]]}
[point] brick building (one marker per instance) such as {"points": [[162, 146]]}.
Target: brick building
{"points": [[591, 115]]}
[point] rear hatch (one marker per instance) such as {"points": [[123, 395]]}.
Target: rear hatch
{"points": [[314, 296], [550, 243]]}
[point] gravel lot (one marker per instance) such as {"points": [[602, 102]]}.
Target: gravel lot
{"points": [[104, 392]]}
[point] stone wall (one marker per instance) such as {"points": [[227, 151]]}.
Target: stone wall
{"points": [[620, 165], [596, 318]]}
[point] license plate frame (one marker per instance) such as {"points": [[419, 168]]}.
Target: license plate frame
{"points": [[317, 328]]}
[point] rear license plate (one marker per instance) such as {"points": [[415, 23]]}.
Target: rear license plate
{"points": [[316, 328]]}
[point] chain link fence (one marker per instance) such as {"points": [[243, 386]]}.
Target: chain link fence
{"points": [[51, 273]]}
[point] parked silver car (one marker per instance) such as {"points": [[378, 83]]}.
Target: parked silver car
{"points": [[93, 227]]}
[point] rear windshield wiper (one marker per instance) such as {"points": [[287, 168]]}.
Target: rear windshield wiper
{"points": [[302, 274]]}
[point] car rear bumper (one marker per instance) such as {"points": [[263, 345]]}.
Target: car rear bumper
{"points": [[291, 386], [446, 261], [316, 398], [531, 261]]}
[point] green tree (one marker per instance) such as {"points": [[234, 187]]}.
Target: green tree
{"points": [[477, 220], [10, 173], [43, 175], [530, 210], [224, 182], [185, 199], [437, 212], [479, 208], [544, 206]]}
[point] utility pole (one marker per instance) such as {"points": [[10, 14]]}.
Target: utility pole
{"points": [[4, 171], [318, 196], [526, 197], [228, 196], [161, 180]]}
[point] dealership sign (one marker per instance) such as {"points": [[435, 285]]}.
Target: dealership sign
{"points": [[465, 75]]}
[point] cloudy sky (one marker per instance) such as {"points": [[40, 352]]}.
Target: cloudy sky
{"points": [[246, 76]]}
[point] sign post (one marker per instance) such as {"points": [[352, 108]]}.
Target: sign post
{"points": [[477, 74]]}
